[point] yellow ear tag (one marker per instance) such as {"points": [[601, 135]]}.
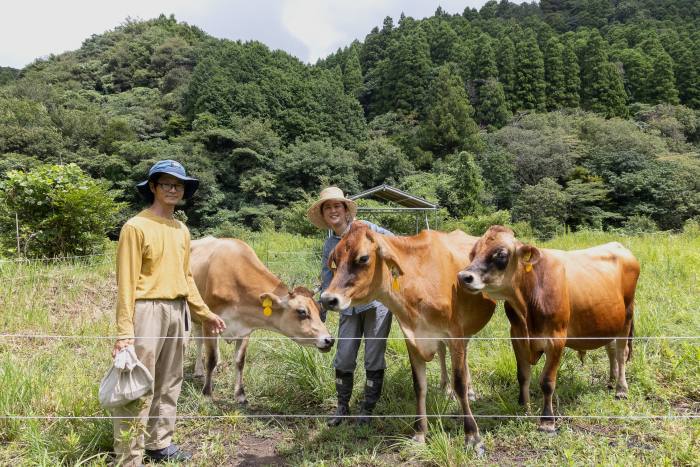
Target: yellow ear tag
{"points": [[526, 256], [267, 302], [267, 311], [395, 283], [333, 266], [528, 267]]}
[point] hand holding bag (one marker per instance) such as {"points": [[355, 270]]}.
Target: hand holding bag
{"points": [[127, 380]]}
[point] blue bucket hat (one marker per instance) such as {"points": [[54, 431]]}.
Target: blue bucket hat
{"points": [[168, 167]]}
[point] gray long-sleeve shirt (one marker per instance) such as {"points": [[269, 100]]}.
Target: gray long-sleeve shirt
{"points": [[327, 274]]}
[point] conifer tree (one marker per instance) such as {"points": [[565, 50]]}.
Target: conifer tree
{"points": [[637, 69], [554, 73], [688, 75], [602, 89], [449, 125], [661, 85], [572, 78], [505, 58], [491, 107], [529, 70], [408, 72], [485, 59], [352, 74]]}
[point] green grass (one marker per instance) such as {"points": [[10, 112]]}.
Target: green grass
{"points": [[61, 377]]}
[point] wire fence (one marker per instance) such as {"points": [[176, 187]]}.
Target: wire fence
{"points": [[288, 258]]}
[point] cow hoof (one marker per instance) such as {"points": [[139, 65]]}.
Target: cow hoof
{"points": [[477, 445], [621, 395], [471, 395], [241, 399], [419, 438], [547, 427], [611, 385]]}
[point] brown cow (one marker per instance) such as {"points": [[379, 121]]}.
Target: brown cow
{"points": [[234, 283], [555, 299], [416, 278]]}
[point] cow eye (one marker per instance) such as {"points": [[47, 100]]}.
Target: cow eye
{"points": [[302, 313], [363, 259]]}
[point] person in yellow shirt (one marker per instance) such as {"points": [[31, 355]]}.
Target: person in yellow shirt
{"points": [[156, 293]]}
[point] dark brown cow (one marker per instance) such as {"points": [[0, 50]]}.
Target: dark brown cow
{"points": [[235, 284], [581, 299], [416, 278]]}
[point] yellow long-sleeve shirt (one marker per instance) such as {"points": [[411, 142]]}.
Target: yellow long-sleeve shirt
{"points": [[153, 262]]}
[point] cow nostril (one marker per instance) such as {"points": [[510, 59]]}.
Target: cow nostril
{"points": [[328, 340], [467, 278], [330, 302]]}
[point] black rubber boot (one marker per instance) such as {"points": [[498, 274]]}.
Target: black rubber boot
{"points": [[343, 386], [373, 391]]}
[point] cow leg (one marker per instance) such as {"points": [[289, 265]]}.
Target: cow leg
{"points": [[470, 389], [621, 357], [198, 362], [612, 358], [444, 378], [522, 360], [420, 387], [241, 348], [460, 383], [548, 382], [211, 357]]}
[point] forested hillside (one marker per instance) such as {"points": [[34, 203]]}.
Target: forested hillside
{"points": [[570, 112]]}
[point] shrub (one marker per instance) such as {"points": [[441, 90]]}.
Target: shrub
{"points": [[61, 211], [639, 224]]}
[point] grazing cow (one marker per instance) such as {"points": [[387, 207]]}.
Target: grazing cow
{"points": [[416, 278], [555, 299], [236, 286]]}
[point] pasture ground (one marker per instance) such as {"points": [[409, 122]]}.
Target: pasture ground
{"points": [[60, 377]]}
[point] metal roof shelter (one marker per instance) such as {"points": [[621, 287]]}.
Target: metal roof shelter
{"points": [[407, 202]]}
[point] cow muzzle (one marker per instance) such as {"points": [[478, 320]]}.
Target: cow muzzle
{"points": [[335, 302], [470, 281], [325, 343]]}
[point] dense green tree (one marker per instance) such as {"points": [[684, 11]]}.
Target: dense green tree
{"points": [[572, 78], [407, 73], [485, 58], [637, 70], [661, 85], [376, 44], [554, 74], [543, 206], [352, 75], [491, 106], [687, 73], [463, 189], [441, 40], [449, 125], [529, 68], [505, 58], [602, 89], [498, 170]]}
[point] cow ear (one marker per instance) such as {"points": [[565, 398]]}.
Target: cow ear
{"points": [[276, 301], [386, 253], [528, 254]]}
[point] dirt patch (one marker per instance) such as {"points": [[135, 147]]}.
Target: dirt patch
{"points": [[255, 451]]}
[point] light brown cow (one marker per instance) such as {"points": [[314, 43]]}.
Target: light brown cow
{"points": [[581, 299], [416, 278], [234, 283]]}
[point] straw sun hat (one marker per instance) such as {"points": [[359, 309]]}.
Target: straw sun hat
{"points": [[332, 193]]}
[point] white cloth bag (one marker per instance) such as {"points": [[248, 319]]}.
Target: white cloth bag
{"points": [[127, 380]]}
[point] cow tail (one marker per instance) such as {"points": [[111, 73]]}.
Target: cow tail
{"points": [[629, 342]]}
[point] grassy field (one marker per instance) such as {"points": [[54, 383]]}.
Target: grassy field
{"points": [[60, 377]]}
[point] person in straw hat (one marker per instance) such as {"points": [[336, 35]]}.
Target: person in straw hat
{"points": [[334, 212], [155, 292]]}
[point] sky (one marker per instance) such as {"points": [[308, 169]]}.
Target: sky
{"points": [[307, 29]]}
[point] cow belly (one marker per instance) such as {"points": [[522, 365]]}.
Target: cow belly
{"points": [[599, 322]]}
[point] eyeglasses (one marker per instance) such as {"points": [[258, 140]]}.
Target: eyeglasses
{"points": [[172, 186]]}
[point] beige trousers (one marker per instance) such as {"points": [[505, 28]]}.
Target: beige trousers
{"points": [[150, 421]]}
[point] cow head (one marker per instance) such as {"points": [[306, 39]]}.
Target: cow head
{"points": [[497, 259], [299, 318], [362, 263]]}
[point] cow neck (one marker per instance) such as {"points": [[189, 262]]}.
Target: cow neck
{"points": [[396, 301], [526, 297]]}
